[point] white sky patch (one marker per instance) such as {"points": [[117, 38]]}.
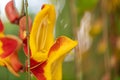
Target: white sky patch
{"points": [[34, 6], [2, 9]]}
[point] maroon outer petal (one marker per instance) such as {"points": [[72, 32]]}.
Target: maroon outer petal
{"points": [[25, 48], [33, 62], [9, 46], [37, 69]]}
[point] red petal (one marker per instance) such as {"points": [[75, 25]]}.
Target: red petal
{"points": [[38, 69], [15, 63], [9, 46], [43, 6], [11, 12], [56, 45], [25, 48], [22, 25], [1, 26], [33, 62]]}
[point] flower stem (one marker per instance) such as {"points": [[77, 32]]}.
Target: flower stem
{"points": [[105, 36], [78, 53], [27, 33]]}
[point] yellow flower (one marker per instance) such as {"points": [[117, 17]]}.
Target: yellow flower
{"points": [[47, 54]]}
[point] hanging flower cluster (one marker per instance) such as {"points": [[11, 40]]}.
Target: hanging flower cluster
{"points": [[46, 52]]}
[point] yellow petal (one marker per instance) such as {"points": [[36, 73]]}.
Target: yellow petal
{"points": [[53, 69], [1, 49], [41, 36], [39, 56], [1, 62], [2, 34]]}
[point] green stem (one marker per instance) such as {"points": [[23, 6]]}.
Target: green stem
{"points": [[27, 32], [78, 59]]}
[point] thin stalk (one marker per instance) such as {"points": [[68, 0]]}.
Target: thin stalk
{"points": [[78, 53], [27, 33], [23, 10], [105, 35]]}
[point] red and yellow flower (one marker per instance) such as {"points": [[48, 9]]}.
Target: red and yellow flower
{"points": [[8, 51], [47, 54]]}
